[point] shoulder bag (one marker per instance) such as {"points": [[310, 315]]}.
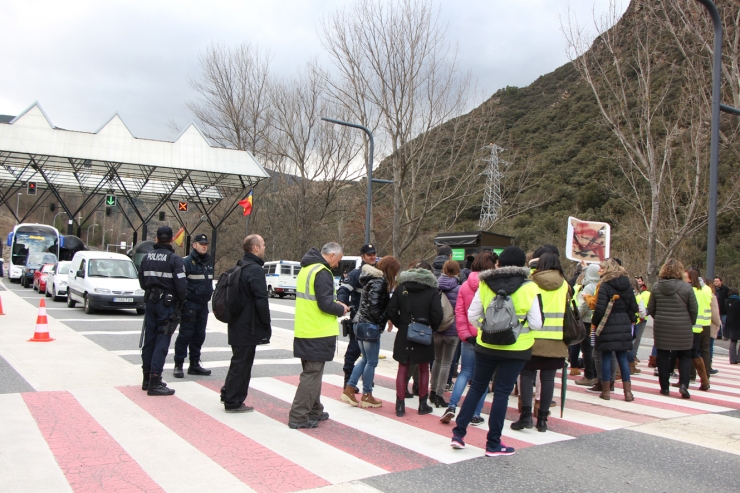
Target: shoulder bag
{"points": [[417, 332], [573, 329], [448, 313]]}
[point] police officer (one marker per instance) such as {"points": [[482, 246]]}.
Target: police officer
{"points": [[350, 293], [199, 271], [163, 277]]}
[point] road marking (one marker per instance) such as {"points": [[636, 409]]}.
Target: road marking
{"points": [[224, 349], [257, 361]]}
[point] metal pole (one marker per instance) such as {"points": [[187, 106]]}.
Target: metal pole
{"points": [[369, 207], [103, 245], [714, 147], [18, 208], [88, 233], [54, 221]]}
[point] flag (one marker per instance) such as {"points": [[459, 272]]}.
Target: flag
{"points": [[247, 204], [180, 237]]}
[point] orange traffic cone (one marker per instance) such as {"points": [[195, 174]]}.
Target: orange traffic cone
{"points": [[1, 306], [42, 326]]}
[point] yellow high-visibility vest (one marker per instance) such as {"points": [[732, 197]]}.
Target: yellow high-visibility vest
{"points": [[522, 299], [553, 313], [704, 313], [310, 321]]}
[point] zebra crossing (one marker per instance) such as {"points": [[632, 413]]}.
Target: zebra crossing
{"points": [[115, 438]]}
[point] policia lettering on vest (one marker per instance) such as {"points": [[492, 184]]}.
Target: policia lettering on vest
{"points": [[162, 275]]}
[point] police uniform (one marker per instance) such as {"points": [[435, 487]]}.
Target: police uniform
{"points": [[199, 272], [163, 277]]}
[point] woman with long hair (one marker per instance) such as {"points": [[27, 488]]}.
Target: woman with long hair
{"points": [[445, 342], [377, 284], [616, 336], [674, 308]]}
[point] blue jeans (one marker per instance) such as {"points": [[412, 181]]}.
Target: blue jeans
{"points": [[624, 366], [366, 366], [485, 367], [467, 357]]}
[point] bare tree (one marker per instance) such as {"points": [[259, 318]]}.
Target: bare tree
{"points": [[646, 101], [393, 63]]}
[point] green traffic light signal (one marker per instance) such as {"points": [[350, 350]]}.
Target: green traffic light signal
{"points": [[110, 200]]}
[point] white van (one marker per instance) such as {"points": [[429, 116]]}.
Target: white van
{"points": [[104, 281], [347, 264], [281, 276]]}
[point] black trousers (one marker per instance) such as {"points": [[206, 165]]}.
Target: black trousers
{"points": [[236, 388], [666, 361], [192, 333], [352, 354]]}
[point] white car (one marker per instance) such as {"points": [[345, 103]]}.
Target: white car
{"points": [[56, 281], [104, 281]]}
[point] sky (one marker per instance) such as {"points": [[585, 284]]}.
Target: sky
{"points": [[85, 60]]}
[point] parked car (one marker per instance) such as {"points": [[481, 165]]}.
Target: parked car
{"points": [[56, 281], [40, 276], [104, 281], [34, 262]]}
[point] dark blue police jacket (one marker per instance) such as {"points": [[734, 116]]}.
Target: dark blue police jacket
{"points": [[163, 268], [199, 272]]}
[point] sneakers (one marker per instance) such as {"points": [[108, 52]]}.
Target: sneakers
{"points": [[457, 443], [241, 409], [306, 424], [477, 421], [574, 371], [588, 382], [369, 401], [500, 450], [348, 396], [448, 415], [596, 388]]}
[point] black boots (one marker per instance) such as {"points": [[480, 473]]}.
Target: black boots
{"points": [[439, 401], [400, 407], [432, 397], [157, 386], [424, 408], [541, 420], [145, 382], [177, 372], [196, 369], [525, 419]]}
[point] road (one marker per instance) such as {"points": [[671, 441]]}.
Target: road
{"points": [[75, 419]]}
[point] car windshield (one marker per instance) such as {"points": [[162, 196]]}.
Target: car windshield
{"points": [[63, 269], [41, 258], [119, 269]]}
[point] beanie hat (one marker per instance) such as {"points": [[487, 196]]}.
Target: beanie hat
{"points": [[512, 256]]}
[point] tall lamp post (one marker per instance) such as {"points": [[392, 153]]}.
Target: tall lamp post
{"points": [[18, 208], [102, 246], [88, 233], [370, 179], [714, 146], [54, 221]]}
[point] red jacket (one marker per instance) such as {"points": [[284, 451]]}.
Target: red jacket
{"points": [[464, 298]]}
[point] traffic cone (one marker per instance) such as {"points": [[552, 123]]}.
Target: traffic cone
{"points": [[1, 306], [42, 326]]}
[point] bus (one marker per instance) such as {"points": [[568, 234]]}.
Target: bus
{"points": [[29, 238]]}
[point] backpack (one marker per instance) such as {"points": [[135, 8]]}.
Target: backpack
{"points": [[501, 326], [573, 329], [226, 304]]}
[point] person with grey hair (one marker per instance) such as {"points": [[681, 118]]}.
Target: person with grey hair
{"points": [[316, 331]]}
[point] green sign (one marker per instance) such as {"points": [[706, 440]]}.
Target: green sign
{"points": [[458, 254], [110, 200]]}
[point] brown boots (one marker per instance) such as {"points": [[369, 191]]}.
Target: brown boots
{"points": [[627, 386], [348, 396], [634, 370], [701, 370], [653, 362], [605, 393], [369, 401]]}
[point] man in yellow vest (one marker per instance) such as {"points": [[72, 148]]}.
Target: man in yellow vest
{"points": [[316, 331]]}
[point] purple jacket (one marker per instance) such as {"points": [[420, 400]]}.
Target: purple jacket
{"points": [[450, 286]]}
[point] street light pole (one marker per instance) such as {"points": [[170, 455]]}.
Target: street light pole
{"points": [[369, 208], [54, 221], [18, 208], [102, 247], [88, 233]]}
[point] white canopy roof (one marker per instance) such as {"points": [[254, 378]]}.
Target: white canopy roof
{"points": [[113, 160]]}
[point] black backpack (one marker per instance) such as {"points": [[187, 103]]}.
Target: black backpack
{"points": [[226, 303], [573, 329]]}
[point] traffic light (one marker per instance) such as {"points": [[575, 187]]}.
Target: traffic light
{"points": [[110, 200], [161, 215], [182, 206], [52, 207], [107, 211], [31, 190]]}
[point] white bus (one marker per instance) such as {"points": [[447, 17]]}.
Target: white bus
{"points": [[30, 238], [281, 276]]}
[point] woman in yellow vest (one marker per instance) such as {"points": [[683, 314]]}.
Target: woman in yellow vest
{"points": [[549, 350], [505, 361]]}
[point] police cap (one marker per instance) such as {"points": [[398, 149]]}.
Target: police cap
{"points": [[367, 249], [201, 238], [164, 234]]}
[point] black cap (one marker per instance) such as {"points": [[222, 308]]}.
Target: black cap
{"points": [[369, 248], [201, 238], [164, 234]]}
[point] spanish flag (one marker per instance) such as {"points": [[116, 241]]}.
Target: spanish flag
{"points": [[247, 204], [179, 237]]}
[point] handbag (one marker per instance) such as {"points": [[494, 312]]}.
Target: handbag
{"points": [[573, 329], [448, 313], [367, 332], [417, 332]]}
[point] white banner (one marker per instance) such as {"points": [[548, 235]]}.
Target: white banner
{"points": [[587, 240]]}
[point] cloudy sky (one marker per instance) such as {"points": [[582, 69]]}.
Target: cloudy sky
{"points": [[85, 60]]}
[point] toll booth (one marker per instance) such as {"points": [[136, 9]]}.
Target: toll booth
{"points": [[473, 243]]}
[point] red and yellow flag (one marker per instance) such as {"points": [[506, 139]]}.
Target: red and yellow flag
{"points": [[179, 237], [247, 204]]}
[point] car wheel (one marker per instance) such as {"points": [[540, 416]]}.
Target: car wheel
{"points": [[88, 309], [70, 302], [140, 311], [270, 292]]}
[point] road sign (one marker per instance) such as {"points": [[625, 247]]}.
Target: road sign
{"points": [[31, 189], [182, 206], [110, 200]]}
